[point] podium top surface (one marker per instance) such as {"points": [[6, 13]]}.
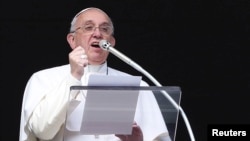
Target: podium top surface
{"points": [[152, 88]]}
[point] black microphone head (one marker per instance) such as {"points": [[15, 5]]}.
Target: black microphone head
{"points": [[104, 44]]}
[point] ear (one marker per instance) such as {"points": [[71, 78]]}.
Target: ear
{"points": [[71, 40], [112, 41]]}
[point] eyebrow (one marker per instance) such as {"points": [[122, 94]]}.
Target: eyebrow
{"points": [[91, 22]]}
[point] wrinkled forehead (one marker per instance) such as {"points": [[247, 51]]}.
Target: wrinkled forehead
{"points": [[94, 15], [89, 9]]}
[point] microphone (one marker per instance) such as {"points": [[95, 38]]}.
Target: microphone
{"points": [[105, 45]]}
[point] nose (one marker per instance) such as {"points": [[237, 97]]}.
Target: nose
{"points": [[97, 32]]}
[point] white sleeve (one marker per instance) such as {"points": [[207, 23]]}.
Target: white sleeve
{"points": [[150, 119], [45, 113]]}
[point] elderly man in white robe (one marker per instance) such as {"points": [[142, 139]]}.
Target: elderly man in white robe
{"points": [[47, 93]]}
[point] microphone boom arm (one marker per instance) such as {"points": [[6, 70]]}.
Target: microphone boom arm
{"points": [[107, 46]]}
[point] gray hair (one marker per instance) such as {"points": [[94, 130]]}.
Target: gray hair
{"points": [[73, 22]]}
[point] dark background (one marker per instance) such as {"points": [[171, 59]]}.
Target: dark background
{"points": [[201, 46]]}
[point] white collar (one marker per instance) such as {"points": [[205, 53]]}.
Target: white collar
{"points": [[94, 69]]}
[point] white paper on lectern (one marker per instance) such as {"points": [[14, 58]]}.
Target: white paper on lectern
{"points": [[110, 111]]}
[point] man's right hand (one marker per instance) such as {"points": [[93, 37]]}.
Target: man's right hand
{"points": [[78, 60]]}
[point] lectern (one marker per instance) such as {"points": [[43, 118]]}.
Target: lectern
{"points": [[102, 114]]}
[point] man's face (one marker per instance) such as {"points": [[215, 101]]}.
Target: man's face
{"points": [[91, 27]]}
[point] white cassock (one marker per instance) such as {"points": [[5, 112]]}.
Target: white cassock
{"points": [[46, 98]]}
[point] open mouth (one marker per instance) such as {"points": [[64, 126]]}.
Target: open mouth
{"points": [[95, 44]]}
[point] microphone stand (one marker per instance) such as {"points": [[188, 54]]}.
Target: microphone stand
{"points": [[107, 46]]}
